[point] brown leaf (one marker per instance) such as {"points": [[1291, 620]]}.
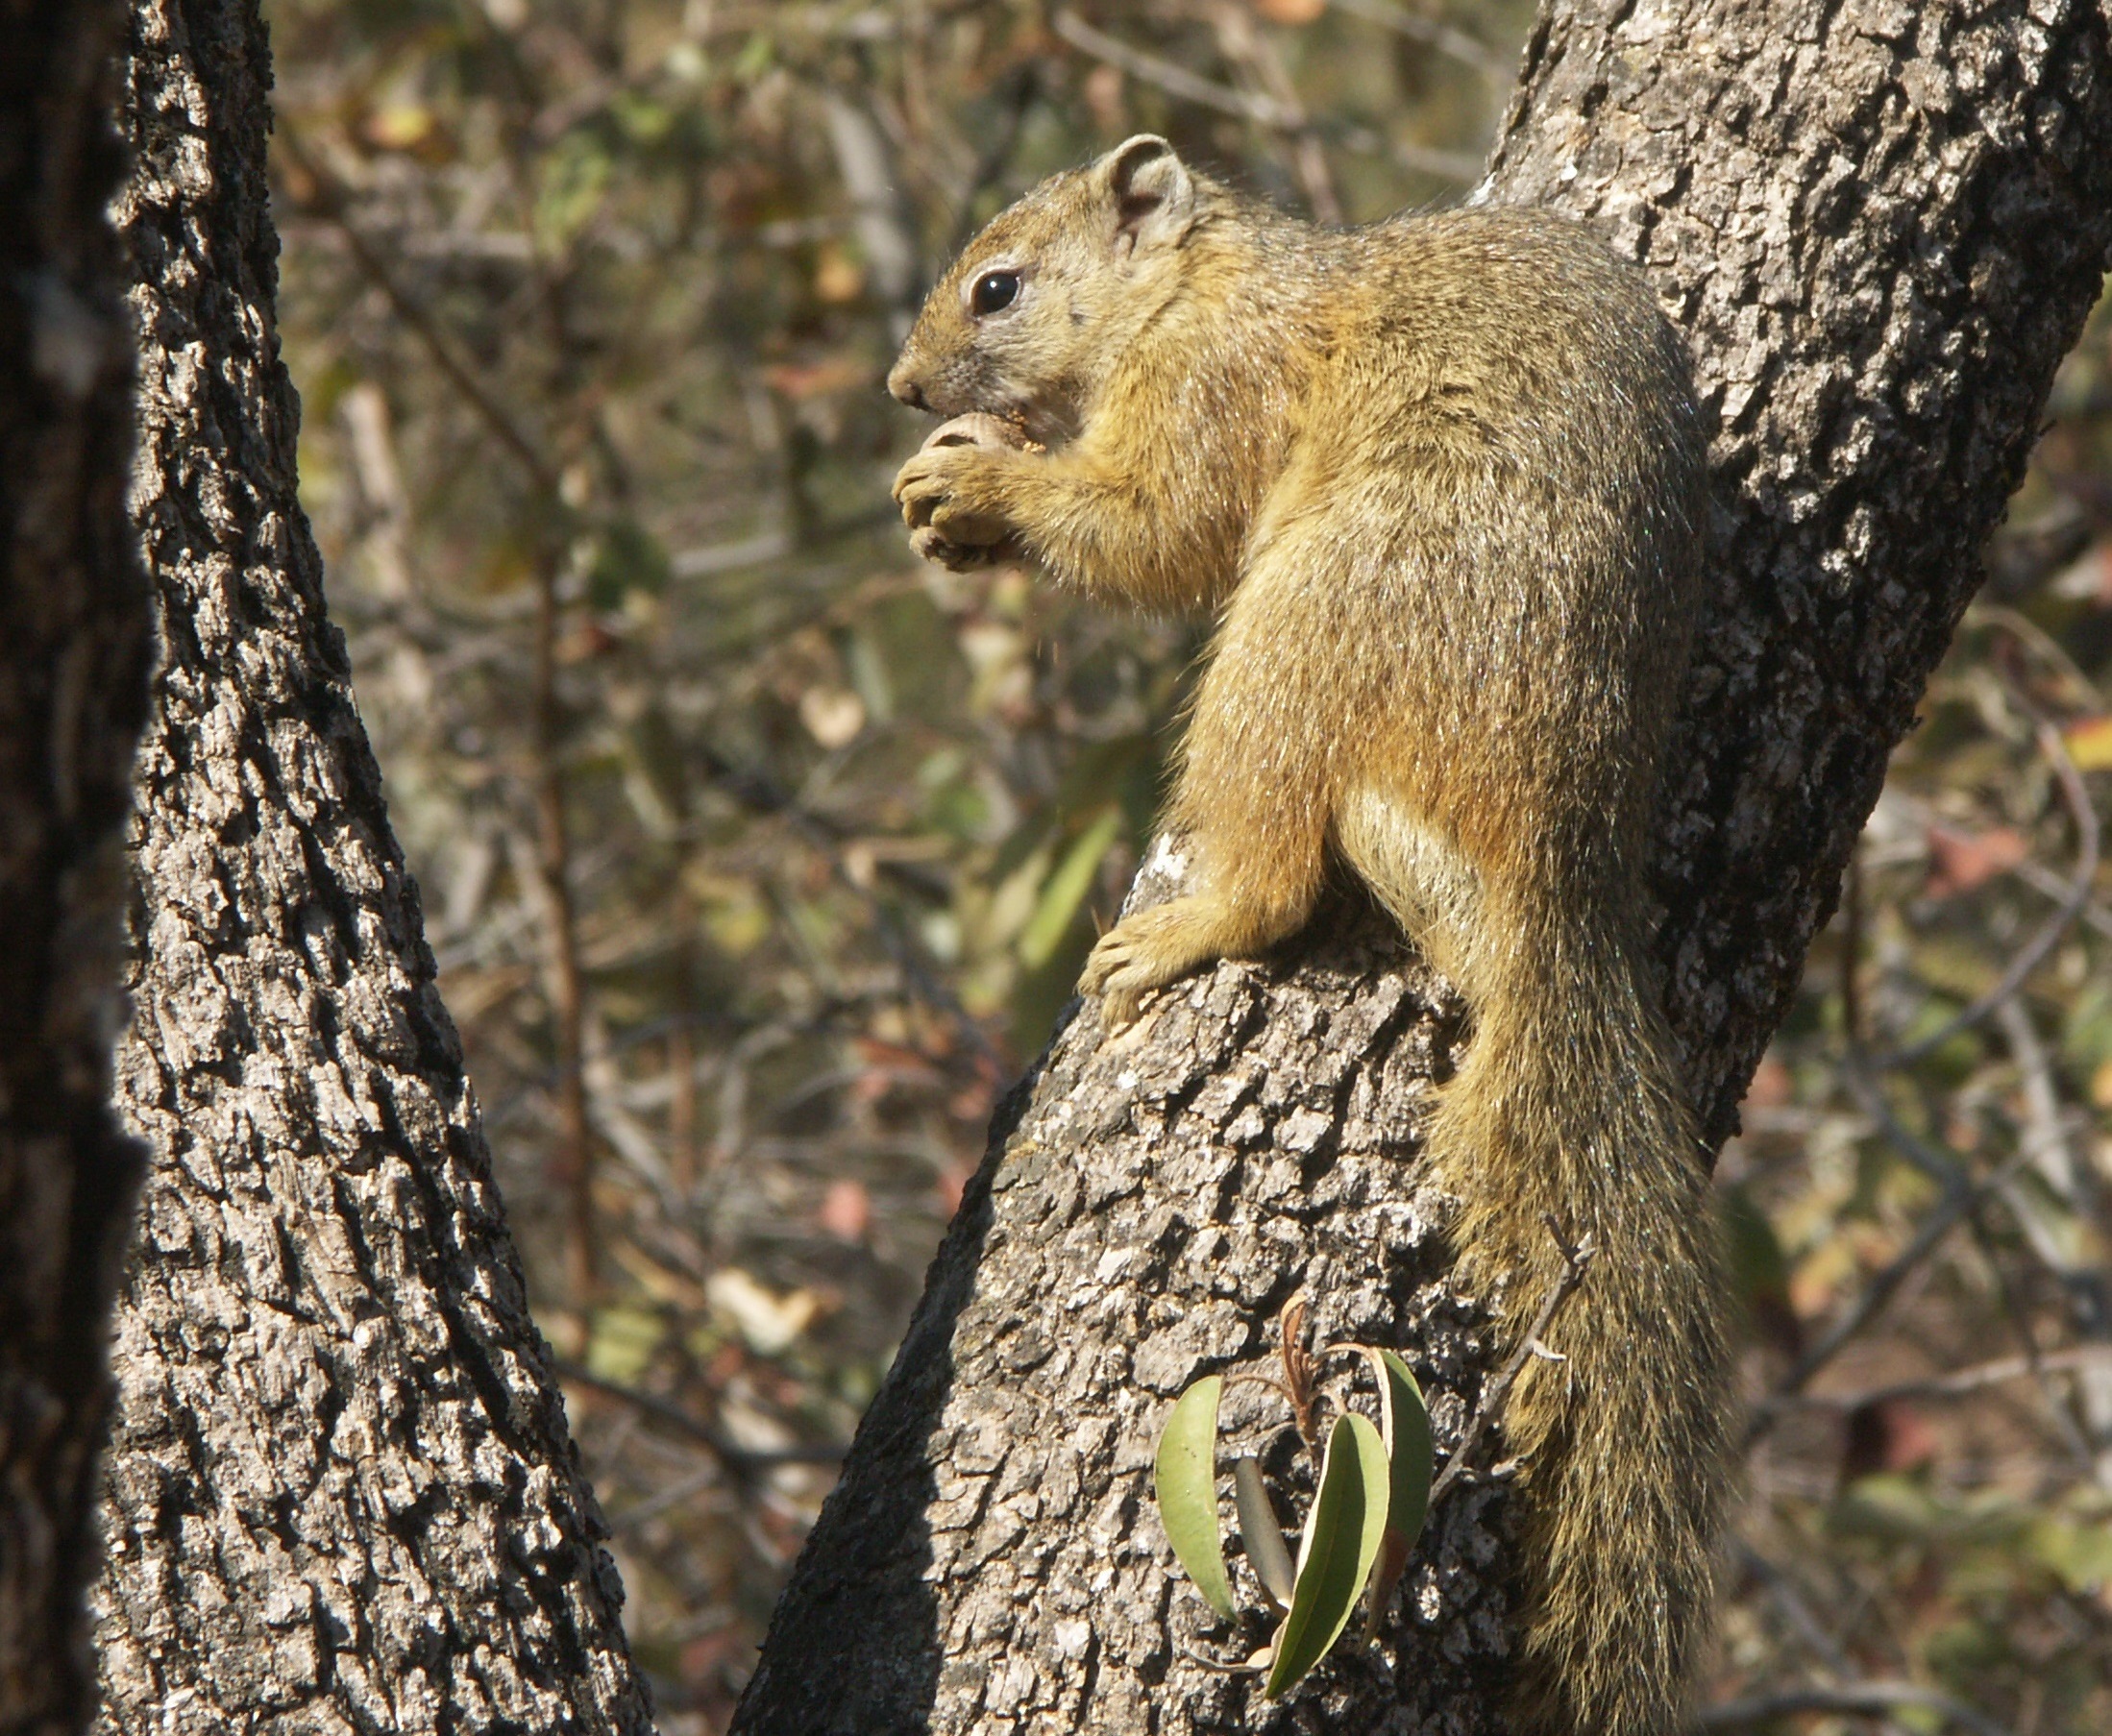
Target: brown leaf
{"points": [[846, 1211], [1887, 1436], [801, 380], [1958, 860], [1772, 1086]]}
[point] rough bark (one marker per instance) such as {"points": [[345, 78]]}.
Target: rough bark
{"points": [[73, 666], [1880, 225], [341, 1495]]}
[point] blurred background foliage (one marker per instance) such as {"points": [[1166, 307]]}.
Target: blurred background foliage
{"points": [[759, 859]]}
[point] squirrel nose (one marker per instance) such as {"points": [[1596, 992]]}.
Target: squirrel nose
{"points": [[905, 389]]}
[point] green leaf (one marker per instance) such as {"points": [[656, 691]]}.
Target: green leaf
{"points": [[754, 59], [1405, 1422], [1185, 1485], [644, 120], [1409, 1452], [2079, 1554], [1758, 1266], [1066, 888], [1261, 1535], [627, 558], [1341, 1541], [573, 183], [621, 1342]]}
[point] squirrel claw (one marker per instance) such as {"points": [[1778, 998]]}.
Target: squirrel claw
{"points": [[1141, 953], [950, 521], [1120, 1008], [929, 544]]}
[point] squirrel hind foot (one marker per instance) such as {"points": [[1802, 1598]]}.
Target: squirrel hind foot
{"points": [[1160, 945], [1150, 949]]}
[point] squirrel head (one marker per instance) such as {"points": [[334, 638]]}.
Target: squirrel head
{"points": [[1039, 307]]}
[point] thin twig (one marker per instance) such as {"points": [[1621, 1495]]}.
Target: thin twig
{"points": [[744, 1462], [1244, 44], [2051, 1138], [666, 1496], [880, 216], [1264, 112], [1963, 1381], [2071, 906], [2062, 1167], [329, 203], [573, 1167], [2041, 879], [1945, 1168], [1962, 1196], [1853, 1700], [1435, 33], [1175, 80], [2027, 631], [1789, 1598], [1575, 1261], [1020, 90], [1851, 947], [759, 550]]}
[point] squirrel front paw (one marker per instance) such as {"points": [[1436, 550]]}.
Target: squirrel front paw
{"points": [[1147, 951], [940, 551], [951, 493]]}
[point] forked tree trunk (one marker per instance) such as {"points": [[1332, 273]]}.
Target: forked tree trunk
{"points": [[1880, 226], [341, 1495], [73, 664]]}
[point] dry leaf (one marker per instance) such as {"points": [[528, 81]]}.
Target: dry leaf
{"points": [[2090, 740], [833, 715], [1959, 861], [846, 1211]]}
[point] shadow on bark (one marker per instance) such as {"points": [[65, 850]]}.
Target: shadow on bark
{"points": [[75, 643]]}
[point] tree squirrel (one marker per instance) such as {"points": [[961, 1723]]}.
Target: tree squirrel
{"points": [[1442, 482]]}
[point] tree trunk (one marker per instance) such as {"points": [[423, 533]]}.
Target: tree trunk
{"points": [[1880, 226], [73, 665], [341, 1495]]}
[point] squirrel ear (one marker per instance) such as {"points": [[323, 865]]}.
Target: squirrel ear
{"points": [[1151, 190]]}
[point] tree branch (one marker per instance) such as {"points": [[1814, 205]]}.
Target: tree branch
{"points": [[1576, 1262], [340, 1489], [1880, 240]]}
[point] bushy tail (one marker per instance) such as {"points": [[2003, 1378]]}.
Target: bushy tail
{"points": [[1567, 1110]]}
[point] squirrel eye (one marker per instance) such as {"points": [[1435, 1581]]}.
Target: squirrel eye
{"points": [[994, 291]]}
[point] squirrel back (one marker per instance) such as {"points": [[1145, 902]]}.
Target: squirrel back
{"points": [[1441, 481]]}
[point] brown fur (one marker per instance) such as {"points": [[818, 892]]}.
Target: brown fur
{"points": [[1440, 482]]}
